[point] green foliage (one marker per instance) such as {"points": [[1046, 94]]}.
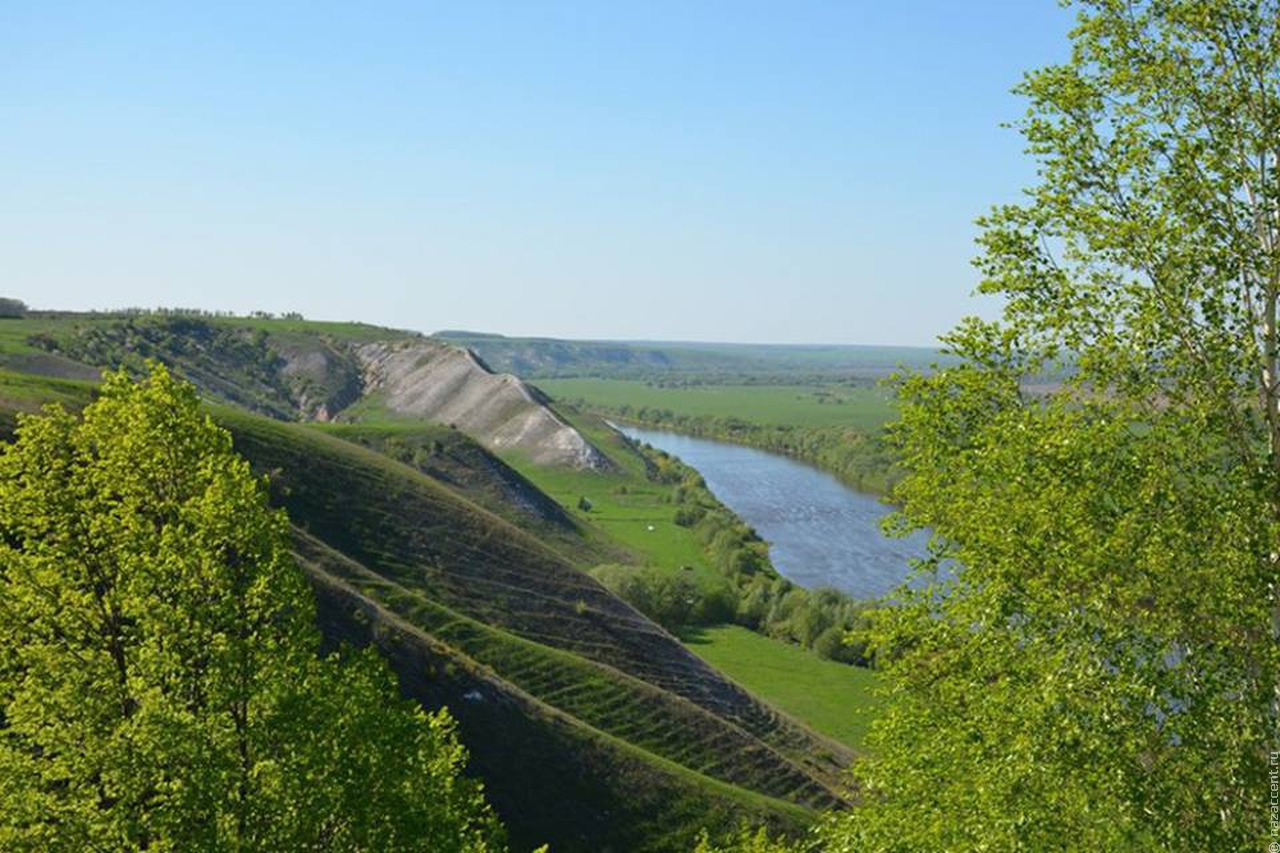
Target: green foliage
{"points": [[236, 363], [673, 600], [599, 728], [864, 460], [761, 600], [1099, 671], [159, 680], [747, 840], [12, 308]]}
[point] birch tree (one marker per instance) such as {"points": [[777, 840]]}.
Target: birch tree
{"points": [[1092, 662]]}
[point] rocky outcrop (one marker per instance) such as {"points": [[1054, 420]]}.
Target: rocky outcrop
{"points": [[322, 376], [443, 383]]}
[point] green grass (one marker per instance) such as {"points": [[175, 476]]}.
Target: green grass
{"points": [[769, 405], [15, 332], [625, 505], [833, 698], [509, 604], [20, 392], [605, 704]]}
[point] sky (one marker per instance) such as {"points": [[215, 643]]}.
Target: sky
{"points": [[785, 172]]}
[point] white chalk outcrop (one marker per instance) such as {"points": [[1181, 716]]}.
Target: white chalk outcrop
{"points": [[448, 384]]}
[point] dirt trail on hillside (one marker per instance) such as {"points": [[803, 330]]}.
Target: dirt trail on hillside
{"points": [[448, 384]]}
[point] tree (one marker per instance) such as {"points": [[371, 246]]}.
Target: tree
{"points": [[748, 840], [1093, 662], [12, 308], [160, 683]]}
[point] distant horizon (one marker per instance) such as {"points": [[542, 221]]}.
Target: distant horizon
{"points": [[123, 310]]}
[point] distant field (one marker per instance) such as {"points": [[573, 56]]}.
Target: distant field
{"points": [[833, 698], [771, 405]]}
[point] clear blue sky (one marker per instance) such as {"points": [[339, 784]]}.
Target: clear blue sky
{"points": [[776, 171]]}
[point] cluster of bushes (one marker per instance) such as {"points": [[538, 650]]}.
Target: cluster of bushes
{"points": [[750, 593], [672, 599], [825, 620]]}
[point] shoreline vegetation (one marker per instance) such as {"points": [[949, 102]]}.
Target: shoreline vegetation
{"points": [[860, 459], [754, 595]]}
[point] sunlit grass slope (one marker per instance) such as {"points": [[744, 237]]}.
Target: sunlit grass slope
{"points": [[835, 699]]}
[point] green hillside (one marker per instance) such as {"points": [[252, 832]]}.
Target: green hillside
{"points": [[837, 700], [592, 727]]}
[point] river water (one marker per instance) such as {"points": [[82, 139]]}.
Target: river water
{"points": [[820, 531]]}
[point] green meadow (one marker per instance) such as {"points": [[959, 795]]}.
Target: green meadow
{"points": [[823, 405], [833, 698]]}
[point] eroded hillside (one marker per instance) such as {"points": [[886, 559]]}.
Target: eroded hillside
{"points": [[440, 382], [294, 370]]}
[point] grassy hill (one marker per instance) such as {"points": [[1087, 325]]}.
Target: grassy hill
{"points": [[593, 728]]}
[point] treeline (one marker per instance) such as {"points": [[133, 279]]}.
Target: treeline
{"points": [[750, 593], [135, 311], [863, 460]]}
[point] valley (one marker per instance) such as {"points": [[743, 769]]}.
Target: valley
{"points": [[570, 528], [488, 540]]}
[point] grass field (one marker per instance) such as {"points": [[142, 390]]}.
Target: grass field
{"points": [[833, 698], [770, 405], [630, 509]]}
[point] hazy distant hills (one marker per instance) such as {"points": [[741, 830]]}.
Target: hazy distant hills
{"points": [[549, 357]]}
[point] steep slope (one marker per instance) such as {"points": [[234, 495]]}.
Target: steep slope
{"points": [[299, 370], [506, 602], [593, 728], [444, 383], [450, 456]]}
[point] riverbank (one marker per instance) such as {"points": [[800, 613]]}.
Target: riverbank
{"points": [[858, 457], [820, 532], [696, 561]]}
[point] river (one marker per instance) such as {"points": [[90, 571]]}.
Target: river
{"points": [[820, 531]]}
